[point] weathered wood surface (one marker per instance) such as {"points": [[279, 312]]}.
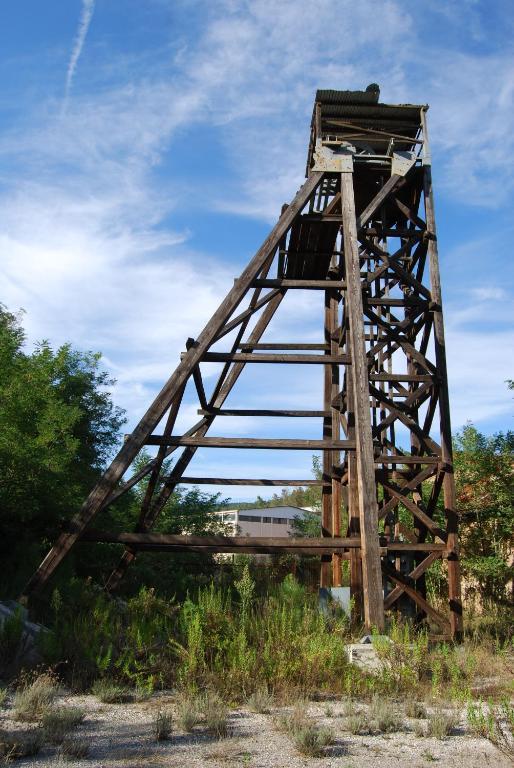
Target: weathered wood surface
{"points": [[368, 509], [285, 444]]}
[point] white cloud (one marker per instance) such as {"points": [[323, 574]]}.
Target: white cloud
{"points": [[87, 245]]}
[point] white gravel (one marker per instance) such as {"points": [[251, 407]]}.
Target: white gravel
{"points": [[122, 735]]}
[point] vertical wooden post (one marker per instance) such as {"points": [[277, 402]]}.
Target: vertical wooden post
{"points": [[368, 508], [336, 431], [353, 511], [454, 586], [326, 493]]}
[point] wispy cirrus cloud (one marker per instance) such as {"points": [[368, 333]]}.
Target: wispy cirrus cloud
{"points": [[86, 14]]}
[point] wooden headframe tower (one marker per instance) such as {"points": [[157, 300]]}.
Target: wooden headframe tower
{"points": [[361, 233]]}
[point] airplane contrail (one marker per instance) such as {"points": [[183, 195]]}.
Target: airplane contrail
{"points": [[88, 7]]}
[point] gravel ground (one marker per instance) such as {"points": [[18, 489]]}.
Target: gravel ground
{"points": [[122, 735]]}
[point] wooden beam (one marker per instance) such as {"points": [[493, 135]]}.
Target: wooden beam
{"points": [[235, 542], [250, 357], [287, 345], [391, 184], [368, 508], [249, 481], [408, 587], [253, 442], [306, 285], [450, 501], [261, 412]]}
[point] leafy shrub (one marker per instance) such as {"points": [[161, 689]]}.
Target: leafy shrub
{"points": [[35, 697], [495, 723], [58, 722], [95, 636], [163, 725], [12, 647]]}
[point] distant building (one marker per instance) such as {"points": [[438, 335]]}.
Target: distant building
{"points": [[261, 521]]}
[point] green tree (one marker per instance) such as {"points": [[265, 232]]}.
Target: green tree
{"points": [[58, 427], [485, 496]]}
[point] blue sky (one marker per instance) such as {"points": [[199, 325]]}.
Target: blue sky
{"points": [[146, 149]]}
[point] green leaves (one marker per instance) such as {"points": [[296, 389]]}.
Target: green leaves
{"points": [[58, 427]]}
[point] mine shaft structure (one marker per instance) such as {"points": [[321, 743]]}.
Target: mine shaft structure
{"points": [[361, 233]]}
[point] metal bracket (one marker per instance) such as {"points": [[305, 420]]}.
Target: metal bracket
{"points": [[339, 160], [402, 163]]}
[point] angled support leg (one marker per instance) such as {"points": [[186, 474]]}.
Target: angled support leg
{"points": [[162, 402]]}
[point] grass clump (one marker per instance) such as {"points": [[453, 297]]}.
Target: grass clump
{"points": [[310, 740], [110, 693], [74, 749], [3, 696], [415, 709], [385, 718], [441, 724], [359, 724], [35, 697], [14, 746], [57, 723], [163, 725], [215, 712], [188, 713], [293, 721], [260, 701]]}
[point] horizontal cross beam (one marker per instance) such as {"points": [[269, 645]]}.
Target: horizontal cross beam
{"points": [[260, 412], [250, 481], [309, 285], [238, 543], [244, 357], [251, 442]]}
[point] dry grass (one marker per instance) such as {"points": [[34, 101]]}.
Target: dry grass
{"points": [[358, 724], [441, 724], [188, 713], [384, 716], [310, 740], [57, 723], [215, 712], [260, 701], [14, 746], [415, 709], [163, 725], [110, 693], [74, 749], [35, 697]]}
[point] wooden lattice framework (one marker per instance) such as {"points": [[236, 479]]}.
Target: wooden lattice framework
{"points": [[360, 231]]}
